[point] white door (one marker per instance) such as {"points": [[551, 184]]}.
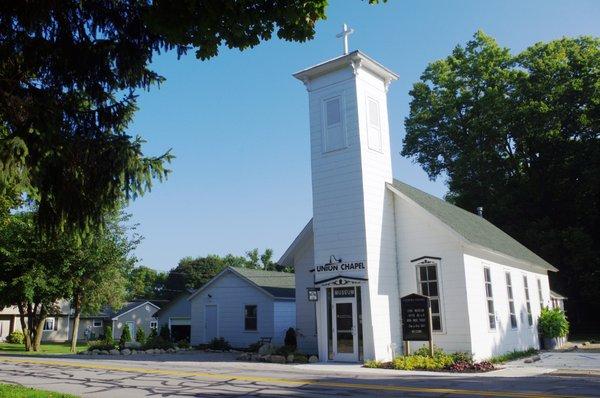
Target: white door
{"points": [[345, 342], [211, 323]]}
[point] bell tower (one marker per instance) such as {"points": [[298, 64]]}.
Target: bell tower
{"points": [[353, 212]]}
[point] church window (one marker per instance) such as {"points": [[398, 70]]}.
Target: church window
{"points": [[539, 283], [511, 302], [334, 136], [427, 276], [374, 124], [527, 301], [490, 297]]}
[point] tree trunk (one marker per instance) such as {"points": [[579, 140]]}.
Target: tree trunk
{"points": [[39, 328], [74, 332], [24, 327]]}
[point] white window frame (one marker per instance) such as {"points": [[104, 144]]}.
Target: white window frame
{"points": [[97, 321], [342, 123], [375, 146], [153, 324], [255, 317], [510, 295], [527, 300], [432, 263], [489, 298], [540, 294], [51, 329]]}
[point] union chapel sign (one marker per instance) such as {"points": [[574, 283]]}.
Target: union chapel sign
{"points": [[338, 268]]}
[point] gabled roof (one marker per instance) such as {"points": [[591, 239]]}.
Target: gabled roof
{"points": [[474, 229], [130, 306], [306, 233], [180, 296], [281, 285]]}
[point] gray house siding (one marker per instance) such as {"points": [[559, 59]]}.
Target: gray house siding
{"points": [[141, 318], [284, 318], [306, 321], [88, 323], [231, 293], [180, 308]]}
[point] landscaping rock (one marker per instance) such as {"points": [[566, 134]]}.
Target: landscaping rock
{"points": [[265, 358], [277, 359], [535, 358], [244, 357], [528, 360], [95, 351], [171, 351], [133, 352], [313, 359], [149, 351], [126, 351], [265, 349], [255, 357], [290, 358], [114, 352], [104, 352]]}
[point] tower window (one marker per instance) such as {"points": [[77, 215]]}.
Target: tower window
{"points": [[374, 124], [334, 136]]}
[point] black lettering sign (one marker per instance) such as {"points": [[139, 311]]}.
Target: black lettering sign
{"points": [[343, 292], [415, 318]]}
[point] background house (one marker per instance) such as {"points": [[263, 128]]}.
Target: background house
{"points": [[176, 315], [136, 314], [56, 326], [244, 305]]}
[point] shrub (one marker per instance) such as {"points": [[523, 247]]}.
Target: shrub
{"points": [[462, 356], [254, 347], [153, 334], [411, 362], [553, 323], [183, 344], [140, 336], [284, 350], [100, 345], [371, 363], [125, 336], [108, 338], [15, 337], [300, 358], [165, 333], [424, 351], [219, 344], [290, 338]]}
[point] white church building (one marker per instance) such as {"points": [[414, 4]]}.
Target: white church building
{"points": [[373, 239]]}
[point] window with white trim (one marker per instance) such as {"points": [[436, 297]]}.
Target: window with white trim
{"points": [[49, 324], [427, 276], [334, 136], [374, 125], [527, 301], [489, 297], [539, 283], [97, 323], [511, 302], [153, 324], [250, 318]]}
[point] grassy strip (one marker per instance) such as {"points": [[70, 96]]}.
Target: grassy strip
{"points": [[511, 356], [14, 391], [45, 348]]}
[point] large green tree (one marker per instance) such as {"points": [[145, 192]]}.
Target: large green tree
{"points": [[145, 282], [519, 134], [70, 72]]}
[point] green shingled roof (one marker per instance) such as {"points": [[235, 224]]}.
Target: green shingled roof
{"points": [[279, 284], [475, 229]]}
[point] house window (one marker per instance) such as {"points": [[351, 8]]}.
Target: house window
{"points": [[153, 324], [50, 324], [334, 136], [511, 302], [527, 301], [97, 323], [490, 297], [250, 318], [374, 125], [428, 286], [539, 283]]}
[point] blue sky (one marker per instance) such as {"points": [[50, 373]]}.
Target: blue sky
{"points": [[238, 124]]}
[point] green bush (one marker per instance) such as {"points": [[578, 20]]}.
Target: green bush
{"points": [[371, 363], [411, 362], [125, 336], [108, 337], [290, 338], [219, 344], [553, 323], [140, 335], [153, 334], [462, 357], [165, 333], [183, 344], [100, 345], [423, 351], [15, 337]]}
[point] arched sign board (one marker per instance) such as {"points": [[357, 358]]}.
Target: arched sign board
{"points": [[416, 318]]}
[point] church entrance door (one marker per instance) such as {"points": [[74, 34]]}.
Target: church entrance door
{"points": [[345, 342]]}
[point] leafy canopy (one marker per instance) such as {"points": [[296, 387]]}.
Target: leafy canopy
{"points": [[520, 136]]}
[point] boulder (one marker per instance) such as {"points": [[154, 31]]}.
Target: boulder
{"points": [[290, 358], [104, 352], [277, 359], [243, 357], [114, 352], [265, 358], [171, 351], [133, 352], [96, 351], [150, 351], [313, 359], [265, 349], [255, 357], [125, 351]]}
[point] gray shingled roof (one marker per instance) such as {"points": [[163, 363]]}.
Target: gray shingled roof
{"points": [[475, 229], [279, 284]]}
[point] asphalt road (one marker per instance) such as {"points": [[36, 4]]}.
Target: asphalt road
{"points": [[157, 377]]}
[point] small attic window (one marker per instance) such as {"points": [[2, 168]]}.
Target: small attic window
{"points": [[334, 135]]}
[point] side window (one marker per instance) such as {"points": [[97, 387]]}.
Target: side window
{"points": [[50, 324], [334, 134], [427, 276], [541, 296], [374, 124], [490, 297], [511, 302], [97, 323], [527, 301], [250, 318]]}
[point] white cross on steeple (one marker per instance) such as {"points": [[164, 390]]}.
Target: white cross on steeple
{"points": [[345, 33]]}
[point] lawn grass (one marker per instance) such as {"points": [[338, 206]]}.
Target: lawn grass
{"points": [[511, 356], [45, 348], [13, 391]]}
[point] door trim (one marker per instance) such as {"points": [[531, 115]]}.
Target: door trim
{"points": [[345, 357], [217, 316]]}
